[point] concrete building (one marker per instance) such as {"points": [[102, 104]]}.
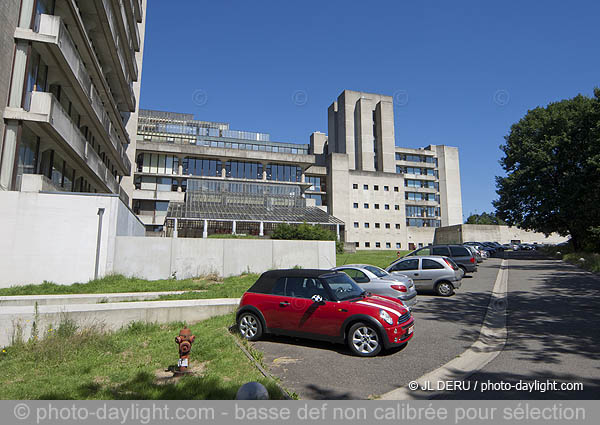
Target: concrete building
{"points": [[386, 197], [493, 233], [69, 84]]}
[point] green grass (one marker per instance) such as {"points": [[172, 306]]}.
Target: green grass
{"points": [[73, 363], [231, 287], [591, 260], [381, 258]]}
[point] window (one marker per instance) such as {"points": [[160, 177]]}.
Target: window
{"points": [[430, 264], [366, 187], [439, 250], [300, 287], [387, 225], [387, 207], [376, 206], [366, 225], [357, 244], [377, 245], [395, 188], [367, 244], [412, 264], [366, 206], [356, 224], [388, 245], [398, 245], [354, 186], [377, 225], [376, 187], [386, 188], [279, 288], [459, 251], [355, 205], [357, 275]]}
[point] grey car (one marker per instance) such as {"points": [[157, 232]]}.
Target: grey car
{"points": [[459, 253], [430, 273], [377, 281]]}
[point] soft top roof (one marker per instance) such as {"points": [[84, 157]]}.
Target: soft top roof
{"points": [[267, 280]]}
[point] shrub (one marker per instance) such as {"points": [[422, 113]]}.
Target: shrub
{"points": [[303, 231]]}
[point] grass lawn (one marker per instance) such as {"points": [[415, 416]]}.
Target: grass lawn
{"points": [[379, 257], [231, 287], [75, 363]]}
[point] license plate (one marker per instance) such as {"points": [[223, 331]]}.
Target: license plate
{"points": [[410, 330]]}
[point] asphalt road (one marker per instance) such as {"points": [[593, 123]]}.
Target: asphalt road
{"points": [[553, 333], [444, 328]]}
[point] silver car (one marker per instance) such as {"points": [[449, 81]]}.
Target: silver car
{"points": [[430, 273], [377, 281]]}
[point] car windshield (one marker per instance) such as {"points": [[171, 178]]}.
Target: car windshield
{"points": [[376, 271], [342, 286]]}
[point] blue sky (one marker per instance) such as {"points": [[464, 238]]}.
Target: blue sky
{"points": [[463, 71]]}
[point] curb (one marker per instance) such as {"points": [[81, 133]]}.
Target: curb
{"points": [[490, 343]]}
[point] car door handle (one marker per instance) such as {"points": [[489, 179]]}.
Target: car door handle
{"points": [[284, 303]]}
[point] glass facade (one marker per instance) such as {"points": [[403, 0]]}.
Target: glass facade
{"points": [[422, 222], [284, 173], [202, 167], [422, 211], [417, 196], [416, 170], [421, 183], [416, 158], [244, 170]]}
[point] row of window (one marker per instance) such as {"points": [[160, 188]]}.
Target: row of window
{"points": [[375, 187], [427, 184], [377, 225], [169, 164], [200, 141], [376, 206], [417, 196], [317, 184], [388, 245], [416, 158], [423, 222], [422, 211], [162, 184], [400, 169]]}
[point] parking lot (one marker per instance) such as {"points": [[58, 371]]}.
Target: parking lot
{"points": [[444, 328]]}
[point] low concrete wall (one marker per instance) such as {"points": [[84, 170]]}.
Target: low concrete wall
{"points": [[161, 258], [491, 233], [17, 322], [24, 300]]}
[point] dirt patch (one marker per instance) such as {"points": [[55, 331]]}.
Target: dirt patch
{"points": [[280, 361], [165, 376]]}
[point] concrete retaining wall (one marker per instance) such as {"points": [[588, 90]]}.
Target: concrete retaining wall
{"points": [[491, 233], [17, 322], [161, 258], [25, 300]]}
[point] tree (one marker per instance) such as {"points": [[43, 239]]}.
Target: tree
{"points": [[484, 218], [552, 161]]}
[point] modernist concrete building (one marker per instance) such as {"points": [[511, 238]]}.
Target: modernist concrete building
{"points": [[69, 90], [377, 195]]}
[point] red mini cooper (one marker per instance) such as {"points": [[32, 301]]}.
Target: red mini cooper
{"points": [[324, 305]]}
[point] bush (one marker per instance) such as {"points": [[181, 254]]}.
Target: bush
{"points": [[303, 231]]}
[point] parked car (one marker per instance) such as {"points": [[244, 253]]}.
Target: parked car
{"points": [[477, 253], [429, 273], [378, 281], [459, 253], [325, 305]]}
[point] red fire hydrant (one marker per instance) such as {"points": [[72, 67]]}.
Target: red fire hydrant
{"points": [[184, 340]]}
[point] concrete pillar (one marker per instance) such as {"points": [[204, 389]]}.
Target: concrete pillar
{"points": [[174, 227], [337, 231], [261, 231], [264, 176], [223, 168], [8, 158], [180, 167], [179, 182], [205, 231], [233, 228], [303, 176]]}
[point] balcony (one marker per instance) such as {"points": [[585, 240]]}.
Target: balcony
{"points": [[52, 34], [47, 116], [138, 10], [122, 47], [132, 23]]}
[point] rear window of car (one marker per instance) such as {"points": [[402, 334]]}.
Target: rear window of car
{"points": [[405, 265], [431, 264], [439, 250], [459, 251]]}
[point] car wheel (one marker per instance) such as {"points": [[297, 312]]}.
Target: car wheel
{"points": [[464, 269], [364, 340], [444, 289], [250, 326]]}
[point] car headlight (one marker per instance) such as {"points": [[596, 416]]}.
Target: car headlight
{"points": [[386, 317]]}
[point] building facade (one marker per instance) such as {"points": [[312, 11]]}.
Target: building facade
{"points": [[69, 83], [381, 196]]}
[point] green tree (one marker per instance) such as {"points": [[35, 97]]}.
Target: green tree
{"points": [[484, 218], [552, 162]]}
